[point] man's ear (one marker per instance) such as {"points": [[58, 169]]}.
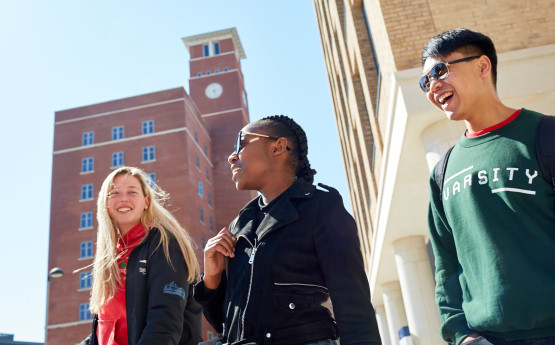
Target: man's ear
{"points": [[485, 66], [280, 146]]}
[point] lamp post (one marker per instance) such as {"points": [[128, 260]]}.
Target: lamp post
{"points": [[56, 272]]}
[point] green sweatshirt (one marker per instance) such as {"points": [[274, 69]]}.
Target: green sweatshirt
{"points": [[493, 236]]}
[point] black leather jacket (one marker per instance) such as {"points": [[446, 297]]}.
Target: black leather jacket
{"points": [[159, 303], [305, 250]]}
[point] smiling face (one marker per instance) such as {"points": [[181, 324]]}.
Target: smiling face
{"points": [[251, 166], [459, 93], [126, 202]]}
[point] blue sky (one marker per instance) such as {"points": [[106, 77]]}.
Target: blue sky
{"points": [[61, 54]]}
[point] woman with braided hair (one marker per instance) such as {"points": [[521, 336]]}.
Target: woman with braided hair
{"points": [[267, 276]]}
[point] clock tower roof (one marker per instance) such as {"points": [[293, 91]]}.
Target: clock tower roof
{"points": [[190, 41]]}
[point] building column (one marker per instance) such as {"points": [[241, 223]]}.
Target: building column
{"points": [[394, 311], [381, 318], [418, 286]]}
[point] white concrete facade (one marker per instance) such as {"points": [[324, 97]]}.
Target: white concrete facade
{"points": [[417, 135]]}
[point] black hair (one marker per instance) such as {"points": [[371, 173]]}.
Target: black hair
{"points": [[283, 126], [464, 41]]}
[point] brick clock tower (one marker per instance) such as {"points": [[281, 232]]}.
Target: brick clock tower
{"points": [[181, 140], [217, 86]]}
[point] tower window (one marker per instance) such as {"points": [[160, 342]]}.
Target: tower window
{"points": [[86, 220], [197, 162], [87, 192], [206, 50], [216, 48], [117, 159], [148, 127], [149, 154], [86, 251], [117, 133], [88, 138], [152, 180], [85, 280], [201, 214], [200, 189], [87, 164], [84, 312]]}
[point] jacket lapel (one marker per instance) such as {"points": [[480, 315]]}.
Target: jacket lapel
{"points": [[284, 212], [281, 214]]}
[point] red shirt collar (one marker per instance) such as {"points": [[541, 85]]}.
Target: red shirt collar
{"points": [[494, 127], [132, 238]]}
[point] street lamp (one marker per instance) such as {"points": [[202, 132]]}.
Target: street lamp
{"points": [[56, 272]]}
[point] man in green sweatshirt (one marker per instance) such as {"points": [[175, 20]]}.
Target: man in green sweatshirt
{"points": [[492, 227]]}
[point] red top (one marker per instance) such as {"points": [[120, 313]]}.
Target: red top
{"points": [[112, 318], [494, 127]]}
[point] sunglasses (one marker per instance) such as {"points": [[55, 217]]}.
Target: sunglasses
{"points": [[239, 141], [439, 72]]}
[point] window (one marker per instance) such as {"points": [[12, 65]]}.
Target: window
{"points": [[88, 138], [87, 164], [148, 154], [200, 189], [211, 225], [197, 161], [207, 72], [216, 48], [207, 175], [86, 220], [196, 136], [225, 69], [85, 250], [203, 239], [152, 180], [199, 74], [117, 159], [201, 215], [209, 198], [148, 127], [85, 280], [84, 312], [205, 150], [87, 192], [216, 71], [206, 50], [117, 133]]}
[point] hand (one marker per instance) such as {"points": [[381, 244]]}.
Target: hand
{"points": [[216, 250], [469, 338]]}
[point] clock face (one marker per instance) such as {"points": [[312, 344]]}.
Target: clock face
{"points": [[213, 90]]}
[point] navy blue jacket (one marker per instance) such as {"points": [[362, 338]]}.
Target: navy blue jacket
{"points": [[305, 251], [159, 303]]}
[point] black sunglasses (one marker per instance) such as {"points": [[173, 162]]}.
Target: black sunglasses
{"points": [[440, 72], [239, 141]]}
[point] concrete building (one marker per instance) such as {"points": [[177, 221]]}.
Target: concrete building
{"points": [[391, 137], [182, 140], [7, 339]]}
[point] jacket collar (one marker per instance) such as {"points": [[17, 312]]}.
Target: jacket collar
{"points": [[281, 214]]}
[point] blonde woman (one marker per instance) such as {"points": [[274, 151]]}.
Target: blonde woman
{"points": [[143, 268]]}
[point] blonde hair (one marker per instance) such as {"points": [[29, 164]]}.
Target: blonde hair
{"points": [[106, 274]]}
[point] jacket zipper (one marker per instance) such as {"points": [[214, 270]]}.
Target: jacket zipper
{"points": [[251, 262]]}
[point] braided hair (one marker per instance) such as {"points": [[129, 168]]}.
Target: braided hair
{"points": [[283, 126]]}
